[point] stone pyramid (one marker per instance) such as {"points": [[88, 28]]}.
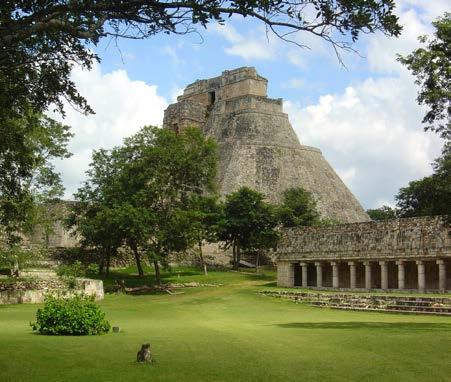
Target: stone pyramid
{"points": [[258, 147]]}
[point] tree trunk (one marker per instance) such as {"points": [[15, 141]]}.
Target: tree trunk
{"points": [[157, 272], [102, 264], [257, 264], [108, 258], [15, 270], [134, 249], [238, 257], [234, 255], [202, 260]]}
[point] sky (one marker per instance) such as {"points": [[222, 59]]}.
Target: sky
{"points": [[364, 117]]}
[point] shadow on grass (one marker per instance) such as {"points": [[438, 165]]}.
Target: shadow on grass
{"points": [[259, 276], [271, 284], [411, 326]]}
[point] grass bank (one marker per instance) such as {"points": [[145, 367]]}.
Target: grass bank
{"points": [[228, 333]]}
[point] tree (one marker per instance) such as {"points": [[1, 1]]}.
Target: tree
{"points": [[160, 173], [27, 175], [248, 223], [94, 215], [298, 208], [205, 216], [431, 67], [98, 228], [382, 213], [146, 188], [430, 195]]}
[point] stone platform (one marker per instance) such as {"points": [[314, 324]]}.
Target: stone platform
{"points": [[36, 292], [370, 303]]}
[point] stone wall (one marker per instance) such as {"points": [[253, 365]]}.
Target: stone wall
{"points": [[59, 236], [424, 237], [36, 292]]}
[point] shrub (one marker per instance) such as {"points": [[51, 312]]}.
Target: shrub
{"points": [[73, 270], [78, 315]]}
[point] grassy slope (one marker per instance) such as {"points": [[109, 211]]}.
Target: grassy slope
{"points": [[229, 333]]}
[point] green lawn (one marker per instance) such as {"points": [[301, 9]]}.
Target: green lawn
{"points": [[229, 333]]}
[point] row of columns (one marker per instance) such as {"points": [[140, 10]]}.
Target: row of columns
{"points": [[384, 274]]}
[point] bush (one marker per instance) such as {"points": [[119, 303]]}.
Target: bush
{"points": [[78, 315], [73, 270]]}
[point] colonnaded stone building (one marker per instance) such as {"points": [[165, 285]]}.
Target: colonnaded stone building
{"points": [[412, 253], [258, 147]]}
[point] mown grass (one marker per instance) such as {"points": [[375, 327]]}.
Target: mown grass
{"points": [[228, 333]]}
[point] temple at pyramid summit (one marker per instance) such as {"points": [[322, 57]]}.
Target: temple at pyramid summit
{"points": [[258, 147]]}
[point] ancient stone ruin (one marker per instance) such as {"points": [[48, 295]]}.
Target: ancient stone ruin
{"points": [[397, 254], [258, 147]]}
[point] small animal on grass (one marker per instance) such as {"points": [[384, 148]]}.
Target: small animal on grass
{"points": [[144, 354]]}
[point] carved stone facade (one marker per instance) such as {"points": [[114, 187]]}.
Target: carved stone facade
{"points": [[257, 145], [412, 253]]}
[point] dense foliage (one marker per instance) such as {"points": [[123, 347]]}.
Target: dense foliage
{"points": [[298, 208], [431, 67], [382, 213], [430, 195], [42, 39], [78, 315], [141, 194], [248, 223], [28, 144]]}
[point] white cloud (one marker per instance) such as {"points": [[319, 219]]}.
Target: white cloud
{"points": [[122, 106], [416, 17], [172, 52], [371, 135], [256, 45], [293, 83], [175, 92], [371, 131]]}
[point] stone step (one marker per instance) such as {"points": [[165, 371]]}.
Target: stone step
{"points": [[327, 297], [373, 302], [390, 310], [400, 304], [407, 309], [421, 308]]}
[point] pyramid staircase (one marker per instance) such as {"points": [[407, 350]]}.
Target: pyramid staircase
{"points": [[371, 303]]}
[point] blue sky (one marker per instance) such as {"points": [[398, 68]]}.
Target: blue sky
{"points": [[363, 117]]}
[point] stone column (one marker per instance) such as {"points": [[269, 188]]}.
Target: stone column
{"points": [[335, 276], [319, 274], [285, 274], [352, 274], [401, 274], [304, 274], [384, 274], [441, 275], [367, 274], [421, 276]]}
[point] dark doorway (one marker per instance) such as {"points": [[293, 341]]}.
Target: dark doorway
{"points": [[311, 275], [211, 98], [297, 275]]}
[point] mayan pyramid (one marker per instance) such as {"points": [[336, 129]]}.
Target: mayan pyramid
{"points": [[258, 147]]}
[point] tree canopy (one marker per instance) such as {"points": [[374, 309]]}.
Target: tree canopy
{"points": [[248, 223], [27, 174], [430, 195], [382, 213], [431, 67], [144, 191], [41, 40], [298, 208]]}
